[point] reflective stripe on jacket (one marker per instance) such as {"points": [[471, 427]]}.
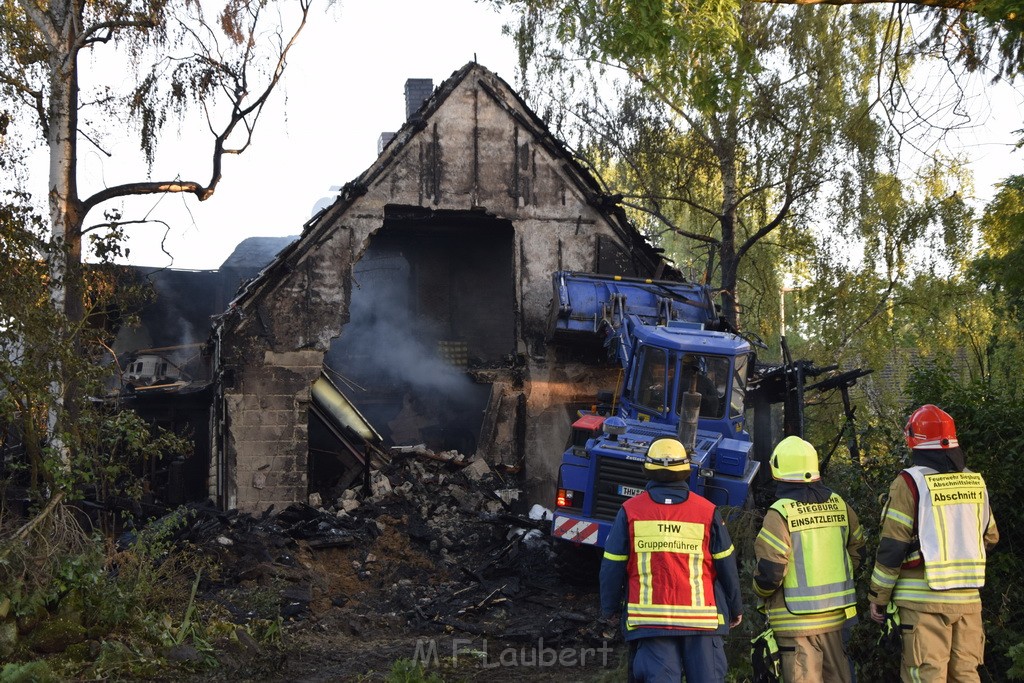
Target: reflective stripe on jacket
{"points": [[952, 516], [670, 572], [821, 576]]}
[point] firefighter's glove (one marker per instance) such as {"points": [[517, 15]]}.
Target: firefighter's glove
{"points": [[609, 626], [891, 639], [765, 658]]}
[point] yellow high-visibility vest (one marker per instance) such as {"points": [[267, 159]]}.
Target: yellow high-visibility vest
{"points": [[820, 576], [952, 515]]}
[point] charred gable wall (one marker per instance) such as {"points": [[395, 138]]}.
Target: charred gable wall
{"points": [[473, 162]]}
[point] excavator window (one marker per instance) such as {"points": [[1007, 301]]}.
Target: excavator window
{"points": [[739, 386], [708, 376], [654, 378]]}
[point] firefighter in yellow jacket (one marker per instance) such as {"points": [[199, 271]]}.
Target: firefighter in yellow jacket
{"points": [[807, 550], [936, 530]]}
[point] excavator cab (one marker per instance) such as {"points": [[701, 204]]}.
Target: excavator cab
{"points": [[678, 377]]}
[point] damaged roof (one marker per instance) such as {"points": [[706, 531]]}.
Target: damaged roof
{"points": [[509, 100]]}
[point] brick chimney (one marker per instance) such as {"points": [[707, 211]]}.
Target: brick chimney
{"points": [[417, 90]]}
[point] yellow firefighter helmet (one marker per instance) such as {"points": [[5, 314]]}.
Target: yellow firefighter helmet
{"points": [[795, 460]]}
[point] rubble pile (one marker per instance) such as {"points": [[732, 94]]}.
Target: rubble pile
{"points": [[435, 549]]}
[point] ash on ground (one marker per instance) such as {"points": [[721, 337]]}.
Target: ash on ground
{"points": [[433, 565]]}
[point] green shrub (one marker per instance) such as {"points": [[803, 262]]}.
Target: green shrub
{"points": [[408, 671], [64, 585], [31, 672]]}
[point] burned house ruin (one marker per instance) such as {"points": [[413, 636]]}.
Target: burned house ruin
{"points": [[164, 360], [413, 310]]}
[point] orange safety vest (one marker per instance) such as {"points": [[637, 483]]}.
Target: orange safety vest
{"points": [[670, 572]]}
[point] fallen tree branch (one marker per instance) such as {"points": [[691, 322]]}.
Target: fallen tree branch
{"points": [[22, 533]]}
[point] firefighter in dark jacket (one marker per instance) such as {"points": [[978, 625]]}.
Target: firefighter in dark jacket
{"points": [[670, 555], [808, 548], [937, 528]]}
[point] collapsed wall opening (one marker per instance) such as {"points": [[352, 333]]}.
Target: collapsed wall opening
{"points": [[432, 302]]}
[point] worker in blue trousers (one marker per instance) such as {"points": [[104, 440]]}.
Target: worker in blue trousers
{"points": [[669, 562]]}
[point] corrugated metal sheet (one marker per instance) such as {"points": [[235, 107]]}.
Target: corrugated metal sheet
{"points": [[338, 408]]}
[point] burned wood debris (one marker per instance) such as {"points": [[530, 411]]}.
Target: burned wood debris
{"points": [[431, 549]]}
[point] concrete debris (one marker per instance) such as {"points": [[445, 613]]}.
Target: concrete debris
{"points": [[418, 448], [379, 484], [508, 496], [477, 469], [314, 500], [422, 451], [529, 537], [454, 456]]}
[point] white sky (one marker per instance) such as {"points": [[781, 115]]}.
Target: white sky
{"points": [[345, 86]]}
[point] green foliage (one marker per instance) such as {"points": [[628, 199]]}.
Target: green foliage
{"points": [[31, 672], [733, 146], [989, 37], [33, 337], [137, 602], [1002, 228], [408, 671], [111, 446], [649, 35], [988, 34], [71, 442], [1016, 671]]}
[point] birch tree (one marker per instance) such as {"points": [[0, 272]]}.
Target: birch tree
{"points": [[724, 142], [178, 59]]}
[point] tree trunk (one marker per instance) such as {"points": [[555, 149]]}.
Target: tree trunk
{"points": [[65, 207], [726, 150], [730, 274]]}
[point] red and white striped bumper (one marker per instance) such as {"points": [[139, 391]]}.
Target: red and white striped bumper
{"points": [[575, 530]]}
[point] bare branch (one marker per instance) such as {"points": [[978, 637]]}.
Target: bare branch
{"points": [[117, 224], [36, 97], [201, 191], [768, 227], [94, 143], [248, 115], [90, 36], [671, 226], [241, 114]]}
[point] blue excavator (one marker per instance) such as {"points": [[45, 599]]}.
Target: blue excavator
{"points": [[684, 374]]}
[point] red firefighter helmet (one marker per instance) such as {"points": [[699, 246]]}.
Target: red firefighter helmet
{"points": [[930, 427]]}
